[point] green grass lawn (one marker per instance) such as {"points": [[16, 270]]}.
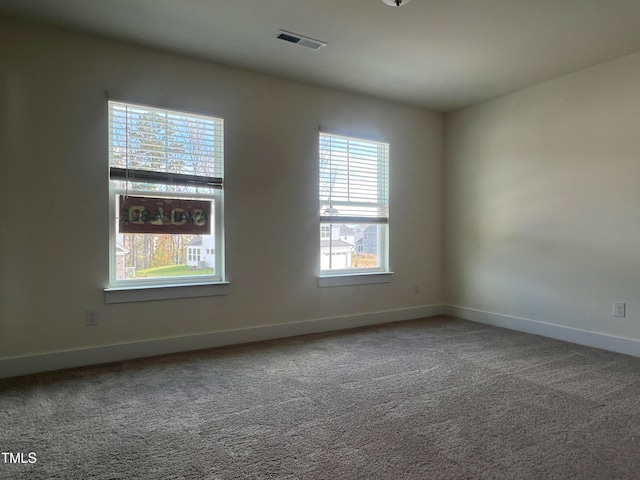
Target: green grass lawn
{"points": [[173, 271]]}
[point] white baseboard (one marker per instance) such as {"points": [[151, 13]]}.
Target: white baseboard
{"points": [[13, 367], [573, 335]]}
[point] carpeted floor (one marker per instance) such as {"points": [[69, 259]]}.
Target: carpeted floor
{"points": [[428, 399]]}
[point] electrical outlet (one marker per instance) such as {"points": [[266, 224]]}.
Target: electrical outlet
{"points": [[416, 288], [91, 317], [619, 309]]}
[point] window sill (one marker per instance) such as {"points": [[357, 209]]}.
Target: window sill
{"points": [[164, 292], [354, 279]]}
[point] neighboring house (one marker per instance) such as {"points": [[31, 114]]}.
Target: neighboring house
{"points": [[344, 233], [336, 246], [201, 252], [335, 255], [366, 239], [121, 254]]}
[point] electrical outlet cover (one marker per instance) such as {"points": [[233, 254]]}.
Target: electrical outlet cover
{"points": [[90, 318], [619, 309]]}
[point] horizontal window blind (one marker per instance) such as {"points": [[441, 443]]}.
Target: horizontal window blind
{"points": [[354, 186], [151, 139], [117, 173]]}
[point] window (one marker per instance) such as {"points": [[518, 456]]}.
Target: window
{"points": [[354, 203], [167, 156]]}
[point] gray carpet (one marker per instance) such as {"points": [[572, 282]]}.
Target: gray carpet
{"points": [[428, 399]]}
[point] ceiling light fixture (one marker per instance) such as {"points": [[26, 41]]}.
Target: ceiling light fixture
{"points": [[395, 3]]}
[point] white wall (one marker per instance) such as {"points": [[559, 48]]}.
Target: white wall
{"points": [[54, 193], [542, 202]]}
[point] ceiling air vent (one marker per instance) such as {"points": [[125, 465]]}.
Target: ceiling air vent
{"points": [[300, 40]]}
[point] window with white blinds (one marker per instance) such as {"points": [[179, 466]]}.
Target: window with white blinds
{"points": [[353, 179], [160, 153], [354, 201], [174, 145]]}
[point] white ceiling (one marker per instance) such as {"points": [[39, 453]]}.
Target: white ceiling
{"points": [[439, 54]]}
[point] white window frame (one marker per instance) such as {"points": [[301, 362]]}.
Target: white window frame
{"points": [[172, 287], [361, 211]]}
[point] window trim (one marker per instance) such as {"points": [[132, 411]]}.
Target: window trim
{"points": [[354, 279], [164, 292]]}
